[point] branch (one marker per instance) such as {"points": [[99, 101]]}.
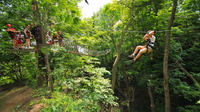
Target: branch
{"points": [[188, 74]]}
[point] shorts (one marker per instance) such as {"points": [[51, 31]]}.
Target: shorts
{"points": [[27, 37]]}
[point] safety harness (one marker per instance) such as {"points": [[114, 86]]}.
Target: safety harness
{"points": [[148, 44]]}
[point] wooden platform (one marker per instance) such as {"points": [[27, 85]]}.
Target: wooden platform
{"points": [[24, 50]]}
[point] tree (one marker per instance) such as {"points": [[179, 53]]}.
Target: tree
{"points": [[40, 41], [43, 13], [118, 47], [165, 61]]}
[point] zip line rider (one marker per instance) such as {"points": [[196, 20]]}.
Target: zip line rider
{"points": [[11, 31], [148, 47]]}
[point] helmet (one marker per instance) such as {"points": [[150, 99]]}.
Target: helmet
{"points": [[152, 32], [8, 25]]}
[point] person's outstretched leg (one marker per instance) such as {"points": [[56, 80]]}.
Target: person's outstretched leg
{"points": [[136, 50], [144, 50]]}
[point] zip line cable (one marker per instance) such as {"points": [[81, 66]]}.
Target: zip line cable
{"points": [[154, 30]]}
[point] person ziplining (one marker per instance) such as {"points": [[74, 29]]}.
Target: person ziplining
{"points": [[148, 47]]}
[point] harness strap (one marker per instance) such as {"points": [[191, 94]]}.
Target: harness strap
{"points": [[149, 44]]}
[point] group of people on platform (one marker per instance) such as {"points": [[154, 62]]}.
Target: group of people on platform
{"points": [[28, 33]]}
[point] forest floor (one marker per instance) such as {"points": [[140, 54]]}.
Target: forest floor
{"points": [[18, 100]]}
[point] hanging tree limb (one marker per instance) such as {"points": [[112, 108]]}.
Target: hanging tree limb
{"points": [[188, 74], [118, 47]]}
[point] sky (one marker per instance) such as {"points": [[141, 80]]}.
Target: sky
{"points": [[94, 6]]}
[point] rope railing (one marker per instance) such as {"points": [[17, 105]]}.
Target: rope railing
{"points": [[70, 46]]}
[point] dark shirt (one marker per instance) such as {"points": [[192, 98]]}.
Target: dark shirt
{"points": [[35, 31], [28, 32]]}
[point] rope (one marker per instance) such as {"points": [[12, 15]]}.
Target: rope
{"points": [[70, 46]]}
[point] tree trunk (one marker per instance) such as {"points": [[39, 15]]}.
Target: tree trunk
{"points": [[114, 68], [50, 80], [151, 97], [40, 41], [41, 63], [165, 62]]}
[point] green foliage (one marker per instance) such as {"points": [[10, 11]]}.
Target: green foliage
{"points": [[83, 83], [64, 103], [189, 108], [84, 89], [6, 80], [183, 48]]}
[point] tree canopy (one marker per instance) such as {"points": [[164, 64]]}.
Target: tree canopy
{"points": [[67, 82]]}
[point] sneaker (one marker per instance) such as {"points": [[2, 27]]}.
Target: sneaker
{"points": [[132, 61], [131, 56]]}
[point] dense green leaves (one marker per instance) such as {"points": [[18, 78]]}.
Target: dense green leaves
{"points": [[155, 15], [83, 83]]}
